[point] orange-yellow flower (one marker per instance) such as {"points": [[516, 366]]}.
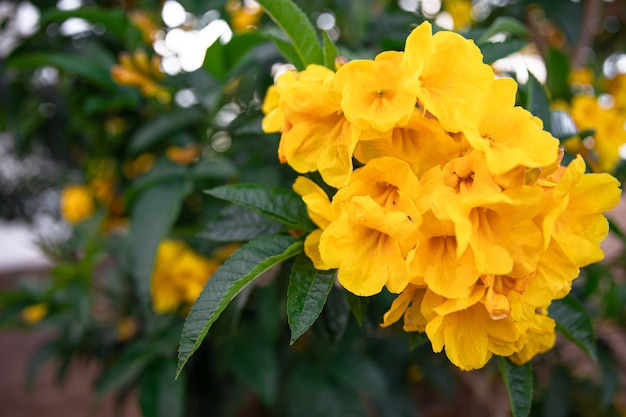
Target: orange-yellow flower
{"points": [[76, 203]]}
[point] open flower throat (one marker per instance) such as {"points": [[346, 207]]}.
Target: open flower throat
{"points": [[460, 205]]}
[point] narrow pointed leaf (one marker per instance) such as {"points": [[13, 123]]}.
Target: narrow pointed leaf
{"points": [[504, 24], [358, 306], [306, 295], [537, 101], [573, 321], [277, 203], [519, 384], [298, 28], [330, 51], [243, 267], [153, 213]]}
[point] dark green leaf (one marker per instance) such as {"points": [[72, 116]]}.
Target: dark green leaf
{"points": [[123, 371], [296, 25], [306, 295], [70, 64], [558, 69], [417, 339], [507, 25], [160, 395], [238, 224], [114, 20], [335, 316], [358, 306], [573, 321], [330, 51], [243, 267], [518, 380], [494, 51], [161, 127], [537, 101], [153, 213], [220, 168], [277, 203]]}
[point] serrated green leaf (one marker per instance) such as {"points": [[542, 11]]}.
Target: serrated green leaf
{"points": [[238, 224], [358, 306], [306, 295], [161, 127], [330, 51], [277, 203], [518, 380], [287, 50], [573, 321], [160, 395], [298, 28], [243, 267], [505, 24], [153, 213], [537, 101], [494, 51], [70, 64]]}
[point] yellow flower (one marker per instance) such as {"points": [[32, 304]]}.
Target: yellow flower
{"points": [[461, 12], [145, 23], [274, 117], [178, 277], [183, 155], [139, 71], [35, 313], [139, 166], [610, 133], [76, 203], [540, 338], [374, 93], [616, 87], [510, 136], [244, 15], [377, 221], [581, 76], [317, 136], [447, 76]]}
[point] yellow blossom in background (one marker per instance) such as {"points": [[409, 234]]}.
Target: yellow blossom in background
{"points": [[139, 166], [461, 13], [76, 203], [145, 23], [581, 76], [616, 87], [137, 70], [461, 206], [178, 277], [183, 155], [244, 15], [35, 313]]}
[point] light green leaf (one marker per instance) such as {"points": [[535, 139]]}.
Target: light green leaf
{"points": [[288, 51], [330, 51], [537, 101], [162, 126], [358, 306], [573, 321], [280, 204], [243, 267], [507, 25], [519, 384], [306, 295], [160, 395], [153, 213], [494, 51], [296, 25], [70, 64], [237, 224]]}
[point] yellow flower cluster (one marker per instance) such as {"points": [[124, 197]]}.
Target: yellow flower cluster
{"points": [[140, 71], [179, 275], [76, 203], [459, 203]]}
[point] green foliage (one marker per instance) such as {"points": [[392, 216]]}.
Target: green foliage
{"points": [[575, 323], [518, 380]]}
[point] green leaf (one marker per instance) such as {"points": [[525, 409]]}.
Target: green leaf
{"points": [[358, 306], [160, 395], [614, 227], [306, 295], [161, 127], [237, 224], [129, 364], [563, 126], [537, 101], [573, 321], [280, 204], [330, 51], [71, 64], [296, 25], [519, 384], [219, 168], [504, 24], [153, 213], [417, 339], [287, 50], [115, 20], [243, 267], [497, 50]]}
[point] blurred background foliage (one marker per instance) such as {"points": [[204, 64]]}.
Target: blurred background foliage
{"points": [[116, 115]]}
